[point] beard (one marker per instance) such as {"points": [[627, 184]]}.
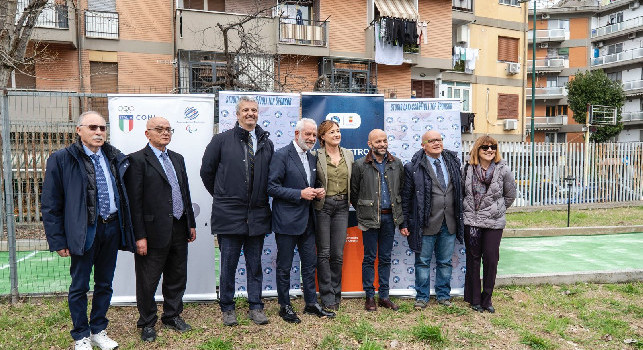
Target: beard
{"points": [[303, 145], [381, 151]]}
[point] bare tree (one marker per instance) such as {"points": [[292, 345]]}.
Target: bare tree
{"points": [[15, 33]]}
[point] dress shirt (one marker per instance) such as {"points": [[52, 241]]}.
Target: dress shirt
{"points": [[157, 153], [442, 167], [303, 155]]}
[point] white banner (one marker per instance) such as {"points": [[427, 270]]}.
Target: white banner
{"points": [[192, 117], [278, 114], [405, 121]]}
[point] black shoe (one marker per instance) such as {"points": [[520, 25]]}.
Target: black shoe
{"points": [[490, 309], [178, 324], [477, 308], [317, 310], [288, 314], [148, 334]]}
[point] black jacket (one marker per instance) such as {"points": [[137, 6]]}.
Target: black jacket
{"points": [[224, 171], [416, 202]]}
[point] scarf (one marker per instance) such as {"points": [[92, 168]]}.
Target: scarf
{"points": [[480, 182]]}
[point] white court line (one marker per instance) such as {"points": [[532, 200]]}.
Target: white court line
{"points": [[28, 256]]}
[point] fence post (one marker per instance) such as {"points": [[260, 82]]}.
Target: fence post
{"points": [[8, 194]]}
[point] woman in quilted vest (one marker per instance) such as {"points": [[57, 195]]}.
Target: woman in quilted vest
{"points": [[489, 189]]}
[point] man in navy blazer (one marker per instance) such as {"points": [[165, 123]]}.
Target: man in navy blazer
{"points": [[290, 180]]}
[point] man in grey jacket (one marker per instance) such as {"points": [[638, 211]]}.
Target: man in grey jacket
{"points": [[376, 181], [432, 204]]}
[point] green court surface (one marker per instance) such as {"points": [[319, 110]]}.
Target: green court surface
{"points": [[38, 272], [571, 254]]}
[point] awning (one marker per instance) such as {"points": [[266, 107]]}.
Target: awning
{"points": [[397, 8]]}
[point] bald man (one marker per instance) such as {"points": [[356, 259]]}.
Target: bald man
{"points": [[376, 182], [163, 221], [432, 205]]}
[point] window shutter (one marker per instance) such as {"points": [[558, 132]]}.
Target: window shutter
{"points": [[508, 49], [102, 5], [508, 106], [423, 88]]}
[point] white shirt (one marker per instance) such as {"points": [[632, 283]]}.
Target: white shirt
{"points": [[304, 160]]}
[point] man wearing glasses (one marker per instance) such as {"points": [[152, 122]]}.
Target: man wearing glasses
{"points": [[86, 217], [163, 222], [432, 205]]}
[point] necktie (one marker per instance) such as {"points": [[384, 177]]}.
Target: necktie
{"points": [[101, 185], [439, 173], [251, 157], [177, 200]]}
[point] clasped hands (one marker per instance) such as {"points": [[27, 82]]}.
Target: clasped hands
{"points": [[310, 193]]}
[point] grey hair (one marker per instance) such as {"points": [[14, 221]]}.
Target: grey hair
{"points": [[300, 124], [245, 99], [82, 116]]}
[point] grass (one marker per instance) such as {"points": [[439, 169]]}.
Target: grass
{"points": [[580, 315], [623, 216]]}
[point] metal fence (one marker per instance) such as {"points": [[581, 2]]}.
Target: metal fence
{"points": [[39, 123]]}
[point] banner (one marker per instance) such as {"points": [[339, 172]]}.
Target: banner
{"points": [[357, 115], [278, 114], [192, 117], [405, 123]]}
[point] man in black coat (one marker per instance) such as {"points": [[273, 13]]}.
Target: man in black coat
{"points": [[235, 172], [163, 221]]}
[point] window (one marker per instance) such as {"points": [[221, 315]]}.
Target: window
{"points": [[508, 106], [552, 81], [507, 49], [558, 24], [615, 18], [350, 75], [25, 76], [509, 2], [553, 111], [103, 79], [298, 12], [562, 81], [616, 76], [615, 48], [555, 137]]}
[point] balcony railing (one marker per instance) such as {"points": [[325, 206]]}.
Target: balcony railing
{"points": [[52, 16], [548, 35], [103, 25], [632, 116], [624, 56], [549, 92], [302, 32], [548, 122], [462, 5], [633, 85], [618, 27], [554, 63]]}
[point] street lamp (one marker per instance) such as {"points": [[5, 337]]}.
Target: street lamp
{"points": [[533, 105]]}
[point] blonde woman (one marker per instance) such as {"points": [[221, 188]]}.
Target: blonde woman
{"points": [[489, 189], [334, 165]]}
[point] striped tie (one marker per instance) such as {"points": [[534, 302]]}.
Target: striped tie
{"points": [[101, 185], [177, 199], [251, 157]]}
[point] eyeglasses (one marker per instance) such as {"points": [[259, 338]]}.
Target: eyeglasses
{"points": [[432, 141], [486, 147], [162, 130], [93, 127]]}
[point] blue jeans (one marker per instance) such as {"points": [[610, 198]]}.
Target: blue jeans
{"points": [[102, 257], [442, 244], [378, 242], [230, 246]]}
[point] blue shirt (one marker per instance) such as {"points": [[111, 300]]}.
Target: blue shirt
{"points": [[108, 174], [157, 153], [442, 167], [385, 199]]}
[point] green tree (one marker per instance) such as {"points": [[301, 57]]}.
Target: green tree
{"points": [[595, 88]]}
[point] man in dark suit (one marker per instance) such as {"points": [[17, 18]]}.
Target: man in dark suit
{"points": [[163, 222], [292, 175]]}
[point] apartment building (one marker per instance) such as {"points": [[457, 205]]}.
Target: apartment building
{"points": [[577, 36]]}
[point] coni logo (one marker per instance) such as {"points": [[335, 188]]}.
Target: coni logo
{"points": [[345, 120]]}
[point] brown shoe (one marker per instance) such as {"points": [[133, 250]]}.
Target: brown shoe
{"points": [[369, 305], [387, 303]]}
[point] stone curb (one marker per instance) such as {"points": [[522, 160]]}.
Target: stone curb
{"points": [[570, 231], [570, 278]]}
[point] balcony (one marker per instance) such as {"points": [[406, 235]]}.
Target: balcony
{"points": [[621, 28], [621, 58], [544, 35], [462, 5], [554, 64], [307, 32], [632, 117], [548, 93], [53, 24], [101, 25], [548, 123], [633, 88]]}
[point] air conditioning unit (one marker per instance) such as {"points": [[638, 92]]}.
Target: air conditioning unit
{"points": [[544, 16], [599, 44], [631, 36], [635, 5], [544, 45], [511, 124], [513, 68]]}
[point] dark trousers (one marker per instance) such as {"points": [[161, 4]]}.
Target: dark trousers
{"points": [[230, 246], [485, 244], [332, 222], [172, 263], [305, 244], [378, 242], [102, 257]]}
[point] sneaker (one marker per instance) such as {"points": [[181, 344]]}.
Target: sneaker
{"points": [[444, 302], [477, 307], [148, 334], [177, 323], [103, 341], [420, 304], [83, 344], [229, 318], [258, 316]]}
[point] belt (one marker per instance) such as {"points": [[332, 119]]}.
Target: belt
{"points": [[339, 197], [110, 218], [386, 211]]}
